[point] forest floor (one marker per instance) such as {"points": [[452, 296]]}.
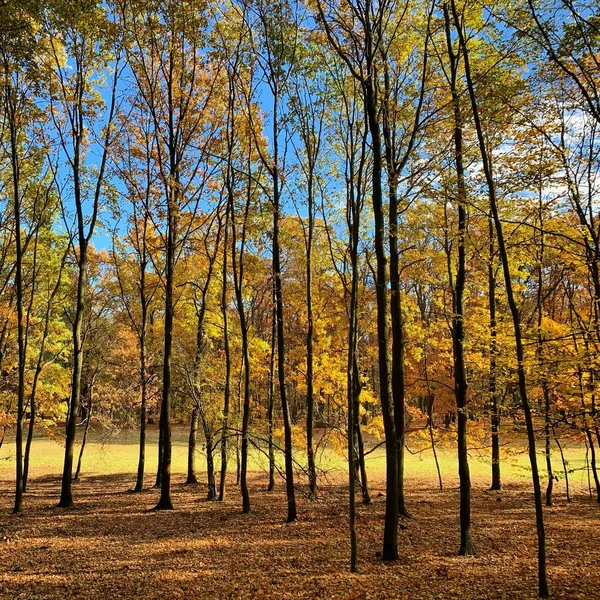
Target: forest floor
{"points": [[113, 546]]}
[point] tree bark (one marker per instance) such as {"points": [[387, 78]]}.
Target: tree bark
{"points": [[458, 287], [88, 411], [192, 479], [494, 403]]}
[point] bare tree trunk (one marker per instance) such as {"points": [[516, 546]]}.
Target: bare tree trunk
{"points": [[458, 287], [390, 534], [514, 310], [540, 354], [287, 428], [165, 502], [192, 479], [139, 482], [310, 398], [227, 386], [158, 481], [66, 496], [237, 261], [364, 483], [85, 431], [10, 101], [564, 463], [271, 399], [210, 468]]}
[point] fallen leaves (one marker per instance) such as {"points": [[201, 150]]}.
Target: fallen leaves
{"points": [[113, 546]]}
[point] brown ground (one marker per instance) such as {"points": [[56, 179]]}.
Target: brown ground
{"points": [[112, 547]]}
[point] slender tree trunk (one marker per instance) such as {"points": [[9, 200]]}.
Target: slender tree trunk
{"points": [[139, 482], [32, 413], [192, 479], [210, 467], [588, 433], [432, 438], [85, 431], [398, 392], [494, 404], [160, 446], [364, 483], [593, 462], [165, 502], [238, 274], [287, 428], [351, 423], [227, 350], [458, 287], [10, 105], [390, 534], [564, 463], [310, 399], [66, 495], [271, 399], [514, 310], [540, 356], [430, 401]]}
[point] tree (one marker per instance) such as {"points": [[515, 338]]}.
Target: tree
{"points": [[514, 310], [82, 35]]}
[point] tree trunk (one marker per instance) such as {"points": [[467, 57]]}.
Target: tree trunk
{"points": [[494, 404], [310, 399], [514, 310], [564, 464], [458, 287], [227, 350], [271, 399], [66, 496], [287, 428], [210, 468], [362, 468], [192, 479], [85, 431], [390, 534], [165, 502], [139, 482], [12, 116], [398, 392], [158, 481]]}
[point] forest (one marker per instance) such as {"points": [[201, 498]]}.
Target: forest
{"points": [[299, 299]]}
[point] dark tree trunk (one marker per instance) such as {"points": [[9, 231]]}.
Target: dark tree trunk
{"points": [[165, 502], [514, 310], [158, 481], [11, 108], [77, 111], [362, 468], [88, 418], [390, 534], [287, 428], [30, 430], [564, 464], [540, 355], [192, 479], [210, 469], [139, 482], [66, 495], [310, 398], [227, 350], [237, 261], [458, 287], [494, 403], [271, 399]]}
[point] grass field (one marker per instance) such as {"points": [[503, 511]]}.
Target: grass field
{"points": [[118, 454]]}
